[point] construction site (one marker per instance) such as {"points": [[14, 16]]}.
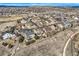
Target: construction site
{"points": [[39, 31]]}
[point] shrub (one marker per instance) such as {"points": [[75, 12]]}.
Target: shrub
{"points": [[4, 43]]}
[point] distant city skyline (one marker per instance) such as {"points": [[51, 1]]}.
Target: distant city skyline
{"points": [[39, 4]]}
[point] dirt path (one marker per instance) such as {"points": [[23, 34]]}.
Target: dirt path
{"points": [[68, 41]]}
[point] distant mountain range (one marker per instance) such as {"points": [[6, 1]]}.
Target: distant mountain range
{"points": [[12, 6], [73, 5]]}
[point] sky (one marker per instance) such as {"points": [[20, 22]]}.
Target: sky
{"points": [[39, 4]]}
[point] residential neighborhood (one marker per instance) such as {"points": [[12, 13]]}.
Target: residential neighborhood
{"points": [[39, 31]]}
